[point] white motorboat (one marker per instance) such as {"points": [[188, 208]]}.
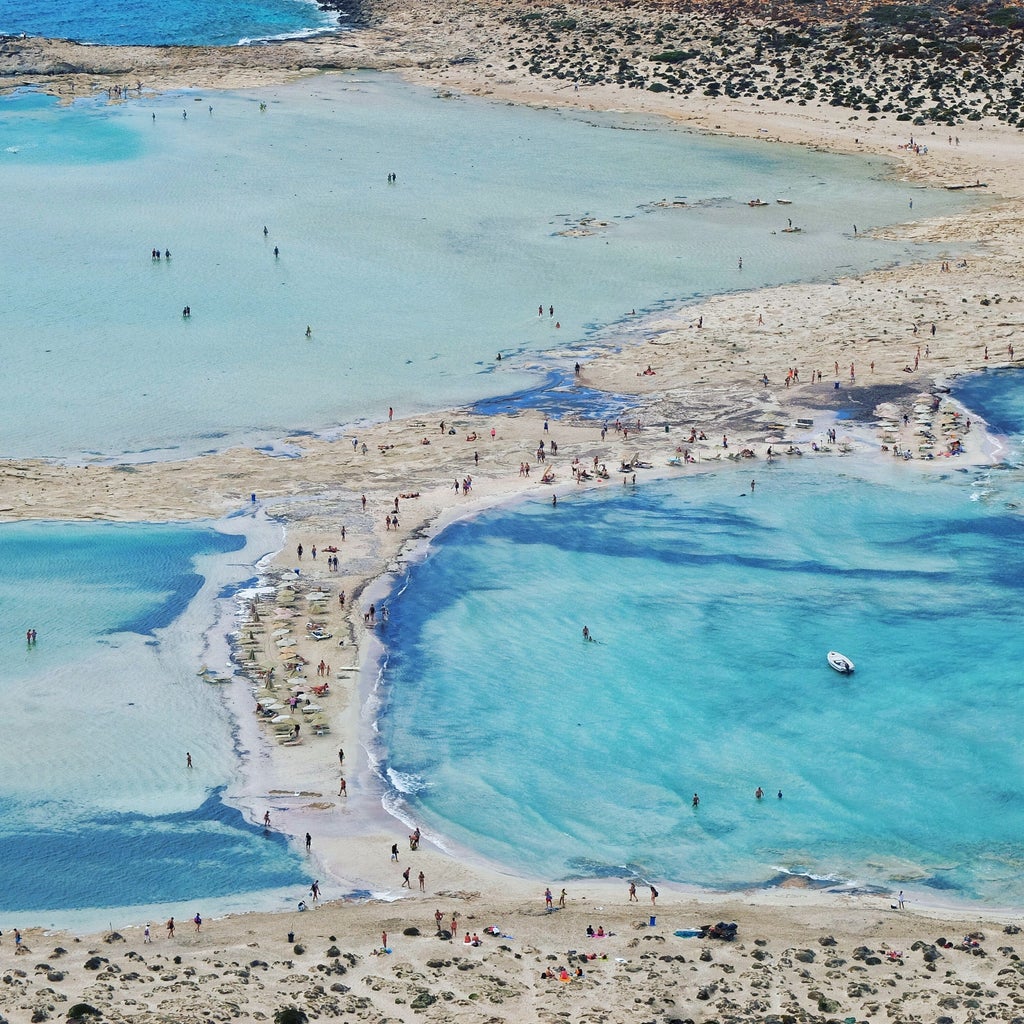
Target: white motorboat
{"points": [[840, 662]]}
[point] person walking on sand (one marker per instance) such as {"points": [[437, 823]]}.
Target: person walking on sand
{"points": [[266, 819], [145, 934], [394, 851], [633, 898], [405, 878], [342, 788], [384, 940], [900, 902], [170, 927], [561, 899], [547, 900], [309, 842], [423, 882], [654, 896], [197, 921]]}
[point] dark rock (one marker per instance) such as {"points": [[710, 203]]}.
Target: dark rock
{"points": [[94, 963], [805, 956], [705, 956], [1011, 929], [80, 1011], [826, 940], [333, 951], [411, 931], [112, 937], [423, 1000]]}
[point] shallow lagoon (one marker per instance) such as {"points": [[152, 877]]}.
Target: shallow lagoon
{"points": [[713, 609], [410, 289], [98, 807]]}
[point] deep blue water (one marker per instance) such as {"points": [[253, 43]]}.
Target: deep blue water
{"points": [[165, 22], [113, 860], [998, 395]]}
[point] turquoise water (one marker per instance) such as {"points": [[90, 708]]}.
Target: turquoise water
{"points": [[713, 609], [998, 395], [410, 289], [97, 809], [568, 765], [165, 22]]}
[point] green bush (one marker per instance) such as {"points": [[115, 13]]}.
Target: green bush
{"points": [[290, 1015], [1007, 17], [673, 56], [82, 1010]]}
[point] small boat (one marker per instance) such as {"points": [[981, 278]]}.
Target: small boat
{"points": [[840, 662], [784, 202], [756, 202]]}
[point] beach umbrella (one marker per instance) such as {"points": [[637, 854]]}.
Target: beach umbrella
{"points": [[283, 631], [284, 720]]}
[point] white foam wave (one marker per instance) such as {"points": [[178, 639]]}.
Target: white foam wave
{"points": [[406, 783]]}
